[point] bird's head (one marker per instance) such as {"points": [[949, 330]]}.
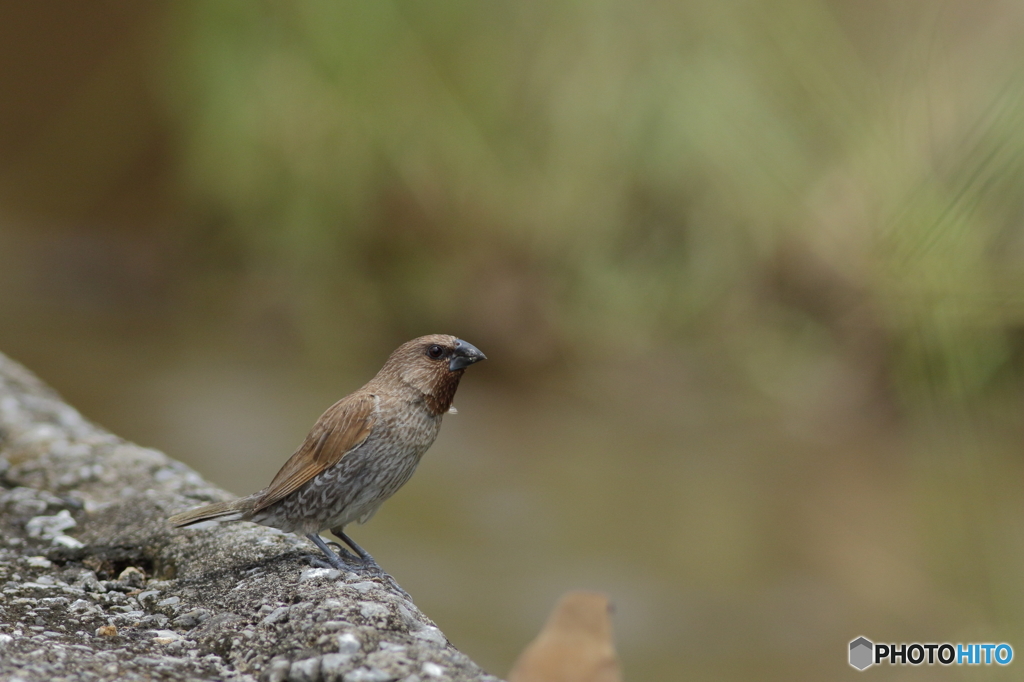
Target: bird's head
{"points": [[432, 366]]}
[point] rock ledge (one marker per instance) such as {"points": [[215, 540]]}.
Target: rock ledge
{"points": [[94, 585]]}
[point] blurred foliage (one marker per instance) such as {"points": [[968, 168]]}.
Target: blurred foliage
{"points": [[798, 182], [608, 172]]}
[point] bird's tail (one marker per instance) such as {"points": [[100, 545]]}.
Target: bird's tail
{"points": [[220, 511]]}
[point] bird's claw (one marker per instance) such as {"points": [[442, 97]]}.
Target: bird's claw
{"points": [[365, 567], [346, 561], [317, 562], [346, 556], [365, 562], [393, 584], [372, 567]]}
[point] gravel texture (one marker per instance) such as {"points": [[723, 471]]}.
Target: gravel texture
{"points": [[94, 584]]}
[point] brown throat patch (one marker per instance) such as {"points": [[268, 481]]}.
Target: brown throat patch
{"points": [[444, 392]]}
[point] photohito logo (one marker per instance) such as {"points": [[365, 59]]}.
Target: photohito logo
{"points": [[864, 653]]}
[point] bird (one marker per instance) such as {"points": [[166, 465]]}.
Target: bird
{"points": [[575, 644], [360, 451]]}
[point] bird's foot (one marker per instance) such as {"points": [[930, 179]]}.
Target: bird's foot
{"points": [[346, 556], [392, 583], [334, 562], [318, 562], [367, 564], [346, 561]]}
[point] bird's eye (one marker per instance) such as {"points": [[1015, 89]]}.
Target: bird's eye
{"points": [[435, 351]]}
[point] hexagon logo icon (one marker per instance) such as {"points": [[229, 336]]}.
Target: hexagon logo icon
{"points": [[861, 650]]}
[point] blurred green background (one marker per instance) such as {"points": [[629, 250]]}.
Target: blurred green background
{"points": [[750, 276]]}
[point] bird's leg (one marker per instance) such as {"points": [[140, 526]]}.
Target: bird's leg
{"points": [[332, 558], [368, 561]]}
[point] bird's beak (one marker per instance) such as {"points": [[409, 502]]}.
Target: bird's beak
{"points": [[465, 354]]}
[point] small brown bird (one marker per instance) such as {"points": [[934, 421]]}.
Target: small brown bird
{"points": [[360, 451], [575, 644]]}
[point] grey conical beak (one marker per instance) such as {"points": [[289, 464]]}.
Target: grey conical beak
{"points": [[464, 355]]}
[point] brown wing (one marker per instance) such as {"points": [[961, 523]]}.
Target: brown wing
{"points": [[341, 429]]}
